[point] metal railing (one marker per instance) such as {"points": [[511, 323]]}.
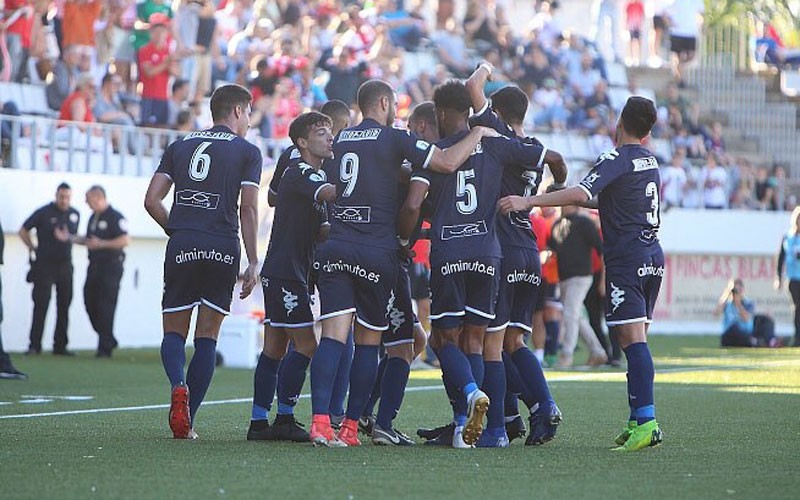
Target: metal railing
{"points": [[729, 45], [45, 144]]}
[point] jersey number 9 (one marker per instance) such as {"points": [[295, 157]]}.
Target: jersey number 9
{"points": [[348, 173]]}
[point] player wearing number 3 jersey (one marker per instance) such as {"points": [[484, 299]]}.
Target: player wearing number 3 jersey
{"points": [[209, 170], [358, 264], [626, 181]]}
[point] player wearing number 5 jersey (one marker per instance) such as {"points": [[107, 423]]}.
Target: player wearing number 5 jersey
{"points": [[358, 264], [626, 181], [210, 170]]}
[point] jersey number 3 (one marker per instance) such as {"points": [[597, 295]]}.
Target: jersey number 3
{"points": [[200, 163], [651, 191]]}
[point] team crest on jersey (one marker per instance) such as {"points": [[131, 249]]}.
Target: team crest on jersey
{"points": [[611, 154], [197, 199], [295, 154], [422, 145], [102, 225], [73, 217], [289, 301], [617, 297]]}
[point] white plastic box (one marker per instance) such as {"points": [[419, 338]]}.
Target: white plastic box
{"points": [[239, 342]]}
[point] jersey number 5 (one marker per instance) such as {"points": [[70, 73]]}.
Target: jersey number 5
{"points": [[463, 188], [651, 191], [200, 163], [348, 173]]}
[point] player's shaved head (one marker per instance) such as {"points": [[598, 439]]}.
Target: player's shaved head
{"points": [[302, 125], [511, 103], [452, 96], [423, 112], [638, 116], [226, 98], [371, 92], [338, 112]]}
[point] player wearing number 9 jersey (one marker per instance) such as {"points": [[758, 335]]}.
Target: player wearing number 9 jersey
{"points": [[358, 264], [210, 170], [626, 181]]}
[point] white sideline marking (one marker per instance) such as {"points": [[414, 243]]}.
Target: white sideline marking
{"points": [[577, 377]]}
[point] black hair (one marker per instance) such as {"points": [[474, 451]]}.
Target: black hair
{"points": [[424, 112], [335, 109], [178, 83], [638, 116], [371, 92], [452, 95], [63, 185], [512, 103], [302, 125], [227, 97]]}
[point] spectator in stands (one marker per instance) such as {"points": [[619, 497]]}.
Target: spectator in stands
{"points": [[693, 193], [405, 31], [602, 11], [108, 109], [77, 107], [673, 181], [345, 74], [715, 143], [634, 21], [185, 121], [17, 25], [157, 64], [79, 21], [51, 265], [144, 10], [600, 139], [765, 189], [583, 82], [741, 326], [660, 28], [779, 180], [789, 254], [685, 21], [10, 108], [65, 74], [177, 100], [122, 18], [187, 21], [692, 144], [481, 24], [715, 184], [536, 68], [549, 103]]}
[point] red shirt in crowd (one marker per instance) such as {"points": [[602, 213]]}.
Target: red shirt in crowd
{"points": [[65, 113], [155, 86], [422, 249], [24, 24]]}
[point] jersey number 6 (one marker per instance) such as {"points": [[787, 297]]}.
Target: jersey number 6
{"points": [[201, 163]]}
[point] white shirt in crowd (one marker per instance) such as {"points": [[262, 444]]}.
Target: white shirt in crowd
{"points": [[673, 183], [685, 18], [714, 184]]}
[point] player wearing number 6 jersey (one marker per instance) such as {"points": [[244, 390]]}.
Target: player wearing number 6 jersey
{"points": [[358, 264], [626, 181], [210, 170]]}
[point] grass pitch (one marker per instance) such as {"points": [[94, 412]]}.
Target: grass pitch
{"points": [[731, 420]]}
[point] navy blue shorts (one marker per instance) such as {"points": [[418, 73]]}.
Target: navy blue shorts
{"points": [[401, 312], [420, 281], [199, 268], [632, 287], [464, 291], [356, 278], [287, 303], [154, 112], [520, 280]]}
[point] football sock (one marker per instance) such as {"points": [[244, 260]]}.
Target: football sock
{"points": [[632, 415], [641, 376], [362, 379], [530, 370], [515, 384], [200, 371], [551, 337], [342, 381], [376, 389], [291, 377], [173, 357], [510, 404], [494, 384], [457, 400], [264, 380], [456, 367], [477, 365], [323, 374], [394, 383]]}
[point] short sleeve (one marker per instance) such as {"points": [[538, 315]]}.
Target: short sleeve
{"points": [[305, 181], [167, 166], [251, 175], [416, 151], [486, 117], [74, 220], [284, 161], [423, 176], [607, 169], [515, 152], [33, 220]]}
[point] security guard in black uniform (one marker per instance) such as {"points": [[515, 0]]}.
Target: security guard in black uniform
{"points": [[106, 236], [51, 264]]}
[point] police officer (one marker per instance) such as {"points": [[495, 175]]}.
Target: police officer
{"points": [[106, 236], [51, 264]]}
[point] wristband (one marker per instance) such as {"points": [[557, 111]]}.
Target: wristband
{"points": [[487, 68]]}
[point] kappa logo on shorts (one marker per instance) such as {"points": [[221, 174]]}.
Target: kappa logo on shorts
{"points": [[464, 230], [289, 301], [197, 199], [396, 316], [617, 296], [358, 215]]}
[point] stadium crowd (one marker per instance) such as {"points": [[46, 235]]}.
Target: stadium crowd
{"points": [[151, 63]]}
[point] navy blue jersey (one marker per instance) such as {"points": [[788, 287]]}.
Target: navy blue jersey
{"points": [[515, 228], [46, 220], [627, 181], [368, 158], [289, 156], [296, 223], [106, 226], [465, 202], [208, 169]]}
